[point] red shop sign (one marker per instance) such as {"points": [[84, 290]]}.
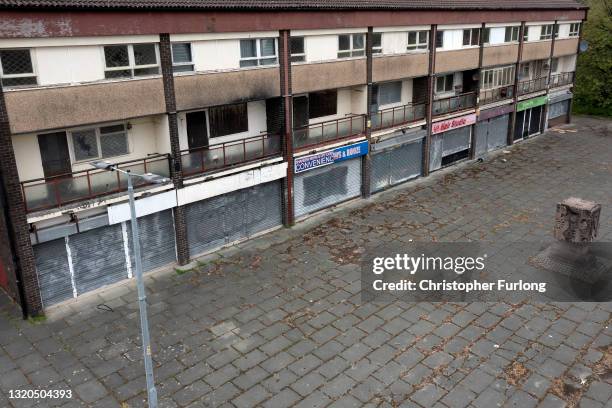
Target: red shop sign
{"points": [[454, 123]]}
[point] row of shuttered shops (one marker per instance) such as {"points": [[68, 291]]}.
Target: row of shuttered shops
{"points": [[71, 262]]}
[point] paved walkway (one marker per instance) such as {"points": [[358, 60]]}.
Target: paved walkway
{"points": [[278, 321]]}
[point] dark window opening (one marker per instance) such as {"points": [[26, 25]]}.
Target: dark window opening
{"points": [[297, 49], [228, 119], [323, 103], [455, 157]]}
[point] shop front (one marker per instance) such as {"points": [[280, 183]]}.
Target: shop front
{"points": [[450, 141], [327, 178], [492, 129], [530, 119], [396, 159], [559, 106]]}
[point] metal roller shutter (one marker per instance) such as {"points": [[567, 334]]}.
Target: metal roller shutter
{"points": [[98, 257], [498, 132], [482, 130], [53, 271], [394, 166], [558, 109], [157, 240], [326, 186], [221, 220], [456, 140]]}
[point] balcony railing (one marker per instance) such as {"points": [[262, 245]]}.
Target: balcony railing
{"points": [[312, 135], [453, 104], [229, 154], [534, 85], [565, 78], [399, 115], [496, 94], [52, 192]]}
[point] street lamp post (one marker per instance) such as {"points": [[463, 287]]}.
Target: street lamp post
{"points": [[142, 297]]}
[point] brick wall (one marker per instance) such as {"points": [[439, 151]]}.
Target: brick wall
{"points": [[19, 229], [8, 276]]}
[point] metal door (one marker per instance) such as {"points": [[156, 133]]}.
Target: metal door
{"points": [[54, 154], [396, 165], [326, 186], [456, 140], [157, 240], [221, 220], [98, 257], [497, 135], [52, 268], [197, 131], [482, 136]]}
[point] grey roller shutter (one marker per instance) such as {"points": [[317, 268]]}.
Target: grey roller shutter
{"points": [[456, 140], [98, 258], [558, 109], [326, 186], [498, 132], [482, 130], [396, 165], [157, 240], [221, 220], [435, 151], [53, 271]]}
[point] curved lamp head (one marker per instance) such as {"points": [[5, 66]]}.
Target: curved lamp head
{"points": [[102, 165], [154, 178]]}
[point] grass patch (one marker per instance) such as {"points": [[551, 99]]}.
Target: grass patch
{"points": [[37, 319], [182, 271]]}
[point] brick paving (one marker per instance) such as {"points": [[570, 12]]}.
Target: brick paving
{"points": [[278, 321]]}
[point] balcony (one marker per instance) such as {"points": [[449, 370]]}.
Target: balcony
{"points": [[53, 192], [566, 78], [230, 154], [400, 115], [312, 135], [454, 104], [497, 94], [534, 85]]}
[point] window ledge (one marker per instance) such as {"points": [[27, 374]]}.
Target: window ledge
{"points": [[88, 83]]}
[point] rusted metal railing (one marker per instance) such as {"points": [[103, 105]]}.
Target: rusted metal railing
{"points": [[313, 135], [496, 94], [397, 116], [454, 103]]}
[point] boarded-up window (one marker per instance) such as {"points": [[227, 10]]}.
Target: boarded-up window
{"points": [[322, 103], [228, 119]]}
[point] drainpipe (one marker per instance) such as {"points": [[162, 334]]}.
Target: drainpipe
{"points": [[430, 89], [475, 126], [510, 138]]}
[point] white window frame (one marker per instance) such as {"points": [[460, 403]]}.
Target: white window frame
{"points": [[132, 62], [574, 29], [513, 30], [33, 74], [182, 64], [258, 57], [444, 91], [498, 77], [547, 32], [471, 31], [96, 128], [351, 49], [418, 46], [298, 55], [379, 48]]}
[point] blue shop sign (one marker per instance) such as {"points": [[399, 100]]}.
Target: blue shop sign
{"points": [[339, 154]]}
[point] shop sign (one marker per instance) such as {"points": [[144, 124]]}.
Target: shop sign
{"points": [[339, 154], [531, 103], [455, 123], [492, 113]]}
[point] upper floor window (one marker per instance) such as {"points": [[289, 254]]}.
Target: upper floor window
{"points": [[445, 83], [16, 68], [554, 65], [100, 142], [497, 77], [351, 45], [471, 36], [388, 93], [228, 119], [574, 30], [298, 53], [130, 60], [512, 34], [261, 51], [418, 40], [526, 34], [182, 60], [439, 39], [377, 43], [322, 103], [546, 32]]}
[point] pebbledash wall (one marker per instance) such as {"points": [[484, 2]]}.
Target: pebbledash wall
{"points": [[52, 256]]}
